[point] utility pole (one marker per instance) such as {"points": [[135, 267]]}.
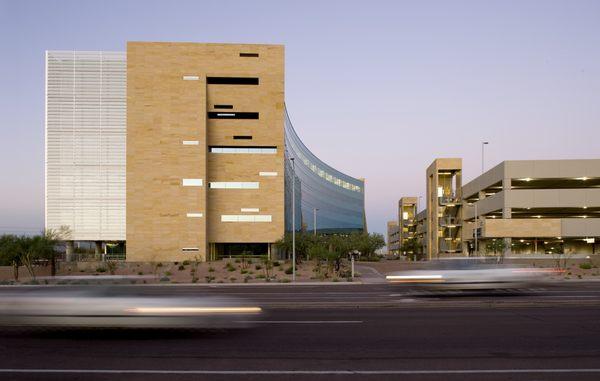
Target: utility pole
{"points": [[293, 220]]}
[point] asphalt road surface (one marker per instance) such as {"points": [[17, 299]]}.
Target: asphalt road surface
{"points": [[373, 332]]}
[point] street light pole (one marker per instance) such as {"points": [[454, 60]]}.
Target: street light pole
{"points": [[483, 144], [417, 225], [476, 227], [315, 221], [293, 220]]}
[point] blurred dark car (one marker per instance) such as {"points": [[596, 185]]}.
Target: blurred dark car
{"points": [[100, 307]]}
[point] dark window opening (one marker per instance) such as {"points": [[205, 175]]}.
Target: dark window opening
{"points": [[224, 250], [248, 54], [242, 137], [223, 106], [233, 115], [210, 148], [231, 81]]}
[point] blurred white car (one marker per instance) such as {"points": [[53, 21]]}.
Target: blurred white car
{"points": [[469, 274], [97, 307]]}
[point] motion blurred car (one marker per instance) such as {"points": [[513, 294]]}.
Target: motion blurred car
{"points": [[469, 274], [102, 307]]}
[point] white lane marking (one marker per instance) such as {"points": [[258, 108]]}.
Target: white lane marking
{"points": [[568, 296], [305, 321], [341, 371]]}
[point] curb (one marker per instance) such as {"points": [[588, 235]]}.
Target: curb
{"points": [[275, 284]]}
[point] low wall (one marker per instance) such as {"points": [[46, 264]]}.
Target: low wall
{"points": [[6, 273]]}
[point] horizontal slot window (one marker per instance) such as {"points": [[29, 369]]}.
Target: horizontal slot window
{"points": [[249, 210], [247, 149], [192, 182], [267, 174], [190, 78], [194, 215], [232, 81], [242, 137], [234, 185], [190, 142], [229, 107], [233, 115], [246, 218], [190, 249], [248, 54]]}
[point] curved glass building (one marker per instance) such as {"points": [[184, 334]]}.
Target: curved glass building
{"points": [[339, 199]]}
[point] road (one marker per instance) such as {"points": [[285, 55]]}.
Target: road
{"points": [[373, 332]]}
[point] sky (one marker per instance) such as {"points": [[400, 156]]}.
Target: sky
{"points": [[376, 89]]}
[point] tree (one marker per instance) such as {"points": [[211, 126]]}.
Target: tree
{"points": [[267, 266], [367, 244], [496, 246], [12, 250], [303, 242], [45, 245], [26, 251], [412, 245], [561, 259]]}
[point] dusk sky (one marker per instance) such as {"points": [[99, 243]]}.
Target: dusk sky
{"points": [[376, 89]]}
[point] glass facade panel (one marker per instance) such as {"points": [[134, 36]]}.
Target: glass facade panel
{"points": [[338, 198]]}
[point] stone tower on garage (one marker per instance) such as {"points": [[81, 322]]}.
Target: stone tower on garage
{"points": [[444, 208]]}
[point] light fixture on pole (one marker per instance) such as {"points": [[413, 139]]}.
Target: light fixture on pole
{"points": [[293, 220], [483, 144]]}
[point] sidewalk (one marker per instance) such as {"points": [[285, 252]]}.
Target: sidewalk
{"points": [[369, 275]]}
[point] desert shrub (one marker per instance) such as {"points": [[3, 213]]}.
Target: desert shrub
{"points": [[100, 270], [247, 278], [186, 262], [211, 269], [258, 267], [276, 263], [260, 276], [585, 266], [232, 279], [181, 268], [243, 271], [229, 267], [111, 266], [209, 278], [167, 273], [289, 270]]}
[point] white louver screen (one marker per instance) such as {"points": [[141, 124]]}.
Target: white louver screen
{"points": [[85, 143]]}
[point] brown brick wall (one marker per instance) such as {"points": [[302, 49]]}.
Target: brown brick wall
{"points": [[163, 110]]}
